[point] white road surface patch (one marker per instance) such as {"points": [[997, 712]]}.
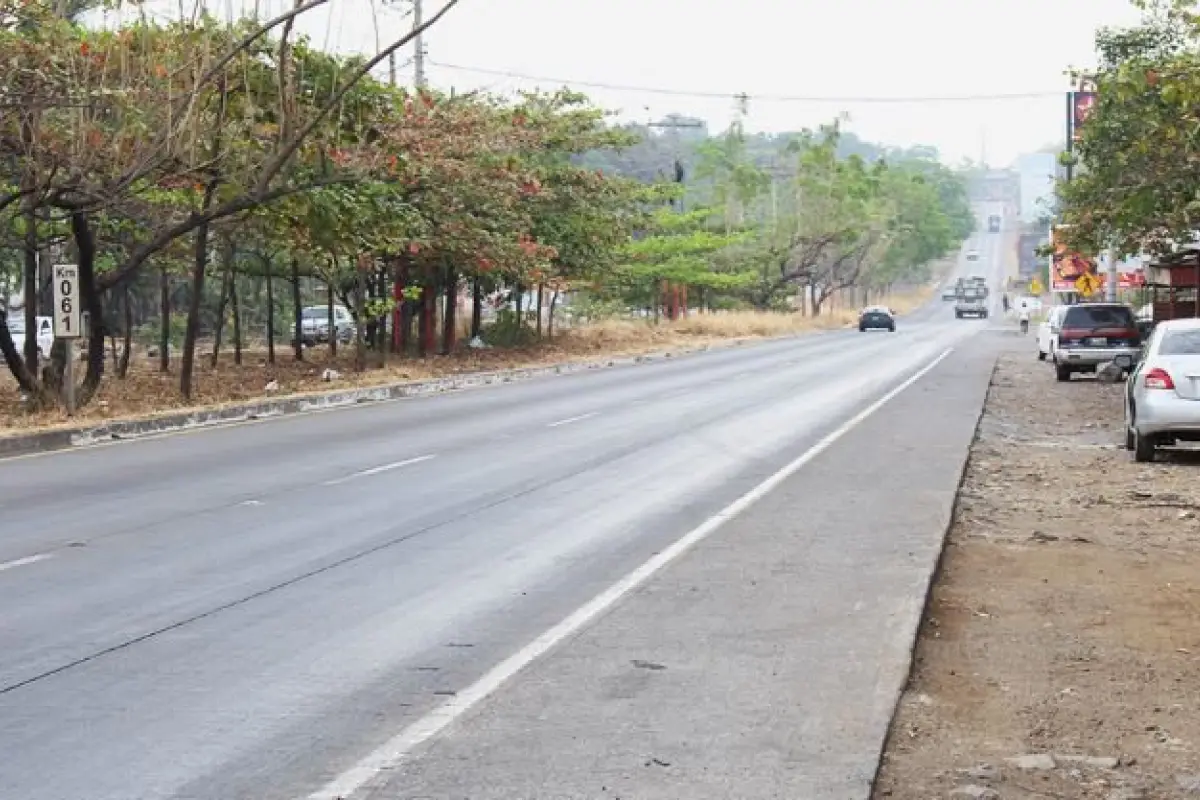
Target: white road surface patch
{"points": [[381, 468], [24, 562], [388, 755], [570, 420]]}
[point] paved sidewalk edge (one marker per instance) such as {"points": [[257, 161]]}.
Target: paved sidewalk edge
{"points": [[934, 575]]}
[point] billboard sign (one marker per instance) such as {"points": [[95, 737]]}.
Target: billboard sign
{"points": [[1027, 258]]}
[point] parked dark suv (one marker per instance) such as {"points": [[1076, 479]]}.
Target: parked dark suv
{"points": [[1093, 334]]}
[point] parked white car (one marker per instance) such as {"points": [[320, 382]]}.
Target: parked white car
{"points": [[45, 333], [1162, 394], [1047, 335]]}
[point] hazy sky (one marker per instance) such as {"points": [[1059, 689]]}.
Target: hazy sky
{"points": [[771, 50]]}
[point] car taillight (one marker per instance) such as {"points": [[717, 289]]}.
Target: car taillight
{"points": [[1158, 379], [1069, 336]]}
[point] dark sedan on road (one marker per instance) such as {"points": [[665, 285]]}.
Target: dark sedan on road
{"points": [[877, 318]]}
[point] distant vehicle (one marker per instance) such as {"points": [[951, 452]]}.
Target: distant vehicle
{"points": [[45, 333], [314, 325], [994, 224], [877, 318], [971, 303], [1047, 335], [972, 255], [1091, 334], [1162, 395], [950, 294]]}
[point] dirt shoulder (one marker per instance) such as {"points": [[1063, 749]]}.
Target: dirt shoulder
{"points": [[1060, 654]]}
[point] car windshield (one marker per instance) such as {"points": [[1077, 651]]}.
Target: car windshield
{"points": [[875, 310], [1099, 317], [314, 313], [1180, 343]]}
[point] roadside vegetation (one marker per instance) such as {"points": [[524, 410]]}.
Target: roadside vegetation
{"points": [[1138, 160], [213, 180]]}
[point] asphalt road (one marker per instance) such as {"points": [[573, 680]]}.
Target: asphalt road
{"points": [[250, 611]]}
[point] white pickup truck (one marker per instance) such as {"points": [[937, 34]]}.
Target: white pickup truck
{"points": [[45, 333]]}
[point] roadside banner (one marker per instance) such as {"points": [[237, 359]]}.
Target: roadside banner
{"points": [[1068, 268], [1082, 104]]}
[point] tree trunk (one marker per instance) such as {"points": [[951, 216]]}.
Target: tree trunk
{"points": [[520, 293], [199, 269], [236, 307], [450, 317], [85, 245], [476, 308], [360, 305], [541, 293], [268, 264], [330, 319], [550, 319], [164, 335], [403, 333], [16, 364], [297, 330], [226, 280], [30, 290], [122, 366], [427, 338]]}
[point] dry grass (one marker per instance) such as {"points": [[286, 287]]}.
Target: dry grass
{"points": [[146, 392]]}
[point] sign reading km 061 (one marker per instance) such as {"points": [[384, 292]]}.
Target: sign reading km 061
{"points": [[67, 317]]}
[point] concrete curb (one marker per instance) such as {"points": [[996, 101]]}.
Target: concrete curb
{"points": [[117, 430], [931, 584]]}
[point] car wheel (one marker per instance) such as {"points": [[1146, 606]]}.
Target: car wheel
{"points": [[1062, 372], [957, 315], [1130, 436], [891, 329], [1143, 448], [1041, 356], [862, 328]]}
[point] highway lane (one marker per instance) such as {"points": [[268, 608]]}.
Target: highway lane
{"points": [[242, 612]]}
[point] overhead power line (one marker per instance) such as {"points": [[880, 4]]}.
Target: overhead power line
{"points": [[773, 98]]}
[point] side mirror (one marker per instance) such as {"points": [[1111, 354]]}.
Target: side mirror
{"points": [[1124, 362]]}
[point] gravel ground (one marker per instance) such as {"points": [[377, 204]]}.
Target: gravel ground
{"points": [[1060, 654]]}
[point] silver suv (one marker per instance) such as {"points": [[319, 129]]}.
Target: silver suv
{"points": [[314, 324], [1091, 334]]}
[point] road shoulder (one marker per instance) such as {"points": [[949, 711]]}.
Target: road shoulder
{"points": [[1058, 657], [764, 663]]}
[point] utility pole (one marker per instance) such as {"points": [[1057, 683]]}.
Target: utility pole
{"points": [[675, 296], [675, 123], [418, 46]]}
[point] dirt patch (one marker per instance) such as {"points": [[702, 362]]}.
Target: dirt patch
{"points": [[1060, 654]]}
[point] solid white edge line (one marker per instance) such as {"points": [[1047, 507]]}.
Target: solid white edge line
{"points": [[23, 562], [376, 470], [434, 722], [569, 420]]}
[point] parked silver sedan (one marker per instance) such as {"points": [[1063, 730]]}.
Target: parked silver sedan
{"points": [[1162, 394]]}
